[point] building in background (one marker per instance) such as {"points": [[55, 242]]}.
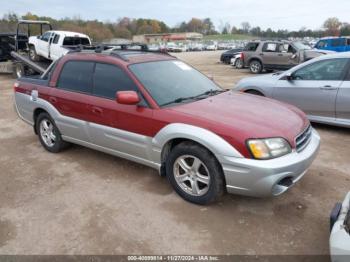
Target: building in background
{"points": [[170, 37]]}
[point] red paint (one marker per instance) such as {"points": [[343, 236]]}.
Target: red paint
{"points": [[235, 117]]}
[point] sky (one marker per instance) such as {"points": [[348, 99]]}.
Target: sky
{"points": [[285, 14]]}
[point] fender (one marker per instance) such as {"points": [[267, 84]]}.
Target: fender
{"points": [[217, 145]]}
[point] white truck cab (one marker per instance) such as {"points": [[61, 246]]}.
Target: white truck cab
{"points": [[54, 44]]}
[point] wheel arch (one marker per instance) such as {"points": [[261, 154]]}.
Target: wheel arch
{"points": [[36, 113], [173, 134], [255, 58]]}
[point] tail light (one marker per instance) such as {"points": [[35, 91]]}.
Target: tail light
{"points": [[15, 86], [242, 56]]}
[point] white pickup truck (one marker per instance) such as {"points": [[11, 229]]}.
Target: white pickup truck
{"points": [[54, 44]]}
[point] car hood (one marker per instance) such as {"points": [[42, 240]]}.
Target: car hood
{"points": [[261, 80], [242, 116]]}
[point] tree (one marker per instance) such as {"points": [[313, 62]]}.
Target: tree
{"points": [[332, 26], [245, 27], [227, 29]]}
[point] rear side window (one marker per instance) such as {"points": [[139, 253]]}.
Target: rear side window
{"points": [[109, 79], [251, 47], [56, 38], [76, 76], [338, 42], [270, 47]]}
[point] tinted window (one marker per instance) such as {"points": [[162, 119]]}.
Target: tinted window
{"points": [[109, 79], [270, 47], [56, 38], [331, 69], [68, 40], [338, 42], [251, 47], [76, 76]]}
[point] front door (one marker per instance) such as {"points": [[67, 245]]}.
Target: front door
{"points": [[313, 88], [125, 129]]}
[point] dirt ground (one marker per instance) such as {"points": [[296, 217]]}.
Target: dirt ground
{"points": [[86, 202]]}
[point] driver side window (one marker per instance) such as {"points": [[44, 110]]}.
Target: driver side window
{"points": [[326, 70]]}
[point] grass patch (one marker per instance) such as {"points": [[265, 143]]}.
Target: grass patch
{"points": [[229, 37]]}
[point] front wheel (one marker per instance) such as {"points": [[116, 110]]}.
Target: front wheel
{"points": [[195, 174], [239, 63], [33, 55], [255, 67]]}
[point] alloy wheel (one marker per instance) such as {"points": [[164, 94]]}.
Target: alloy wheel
{"points": [[191, 175], [47, 132]]}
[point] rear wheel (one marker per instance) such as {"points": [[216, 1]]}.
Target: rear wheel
{"points": [[49, 135], [194, 173], [19, 70], [33, 55], [255, 67]]}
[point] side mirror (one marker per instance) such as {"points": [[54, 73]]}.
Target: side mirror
{"points": [[289, 76], [127, 98]]}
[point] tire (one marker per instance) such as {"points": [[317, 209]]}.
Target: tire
{"points": [[201, 185], [33, 55], [49, 135], [255, 67], [254, 92], [239, 63]]}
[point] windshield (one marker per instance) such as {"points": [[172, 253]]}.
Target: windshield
{"points": [[171, 82], [301, 46]]}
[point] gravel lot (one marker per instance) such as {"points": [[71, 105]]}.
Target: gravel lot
{"points": [[86, 202]]}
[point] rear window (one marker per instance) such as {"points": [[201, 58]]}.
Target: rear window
{"points": [[251, 46], [270, 47], [69, 40], [76, 76]]}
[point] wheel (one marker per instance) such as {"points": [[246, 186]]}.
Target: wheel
{"points": [[254, 92], [194, 173], [239, 63], [33, 55], [18, 70], [255, 67], [49, 135]]}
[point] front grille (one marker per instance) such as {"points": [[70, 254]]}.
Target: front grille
{"points": [[303, 139]]}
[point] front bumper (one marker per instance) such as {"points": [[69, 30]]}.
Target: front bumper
{"points": [[339, 241], [262, 178]]}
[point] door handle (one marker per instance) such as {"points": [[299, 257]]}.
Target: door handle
{"points": [[280, 54], [97, 110], [53, 99], [328, 87], [261, 54]]}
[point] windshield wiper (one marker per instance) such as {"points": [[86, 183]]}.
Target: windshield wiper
{"points": [[210, 92]]}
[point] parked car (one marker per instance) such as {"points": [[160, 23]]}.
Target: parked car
{"points": [[237, 61], [158, 111], [228, 55], [54, 44], [280, 55], [320, 87], [337, 44], [339, 241], [172, 47], [211, 46]]}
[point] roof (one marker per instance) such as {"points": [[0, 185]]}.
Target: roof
{"points": [[68, 33]]}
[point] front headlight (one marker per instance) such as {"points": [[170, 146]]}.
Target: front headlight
{"points": [[268, 148]]}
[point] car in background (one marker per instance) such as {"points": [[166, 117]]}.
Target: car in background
{"points": [[154, 109], [337, 44], [228, 55], [211, 46], [339, 241], [319, 87], [277, 55], [237, 61], [172, 47], [54, 44], [196, 47]]}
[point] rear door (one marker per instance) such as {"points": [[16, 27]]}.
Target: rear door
{"points": [[314, 87], [71, 98], [121, 128], [55, 47], [270, 54]]}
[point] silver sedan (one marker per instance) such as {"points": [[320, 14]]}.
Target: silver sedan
{"points": [[319, 87]]}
